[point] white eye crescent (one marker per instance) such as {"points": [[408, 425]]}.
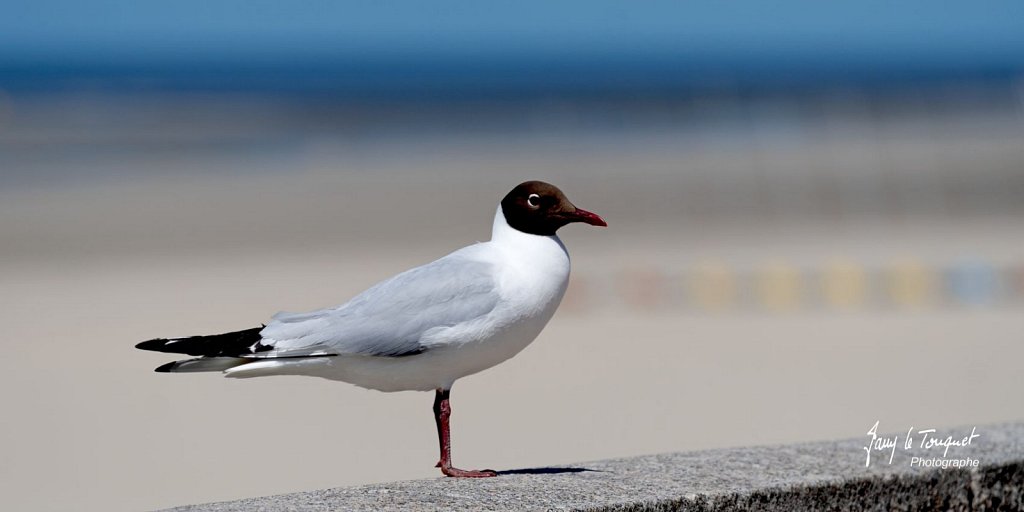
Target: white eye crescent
{"points": [[534, 200]]}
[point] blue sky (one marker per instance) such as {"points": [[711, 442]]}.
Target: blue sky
{"points": [[260, 29], [402, 46]]}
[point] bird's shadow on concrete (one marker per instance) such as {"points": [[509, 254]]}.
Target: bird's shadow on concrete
{"points": [[544, 471]]}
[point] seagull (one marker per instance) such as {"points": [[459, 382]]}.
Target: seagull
{"points": [[423, 329]]}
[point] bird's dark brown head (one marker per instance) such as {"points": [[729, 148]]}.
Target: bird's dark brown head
{"points": [[540, 208]]}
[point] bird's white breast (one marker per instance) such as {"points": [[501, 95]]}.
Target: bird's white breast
{"points": [[531, 274]]}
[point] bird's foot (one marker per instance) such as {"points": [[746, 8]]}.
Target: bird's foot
{"points": [[466, 473]]}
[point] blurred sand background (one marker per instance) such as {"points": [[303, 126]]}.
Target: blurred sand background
{"points": [[702, 317]]}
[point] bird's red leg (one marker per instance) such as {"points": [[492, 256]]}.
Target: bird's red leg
{"points": [[442, 411], [441, 435]]}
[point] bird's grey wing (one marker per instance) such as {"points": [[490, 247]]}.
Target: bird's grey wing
{"points": [[391, 318]]}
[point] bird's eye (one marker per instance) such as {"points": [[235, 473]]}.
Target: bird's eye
{"points": [[534, 200]]}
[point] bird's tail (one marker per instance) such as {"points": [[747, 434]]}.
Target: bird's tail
{"points": [[202, 364]]}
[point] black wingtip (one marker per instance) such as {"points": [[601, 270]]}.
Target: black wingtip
{"points": [[228, 344], [154, 344], [165, 368]]}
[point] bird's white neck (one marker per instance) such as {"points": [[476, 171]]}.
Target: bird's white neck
{"points": [[525, 243]]}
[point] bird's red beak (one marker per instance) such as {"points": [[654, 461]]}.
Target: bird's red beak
{"points": [[581, 215]]}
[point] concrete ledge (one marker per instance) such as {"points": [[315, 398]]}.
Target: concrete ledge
{"points": [[810, 476]]}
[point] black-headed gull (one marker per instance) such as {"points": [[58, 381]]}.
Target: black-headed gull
{"points": [[423, 329]]}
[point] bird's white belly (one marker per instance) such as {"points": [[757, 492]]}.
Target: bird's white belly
{"points": [[455, 352], [532, 273], [531, 293]]}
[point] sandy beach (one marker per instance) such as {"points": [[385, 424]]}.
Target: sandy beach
{"points": [[89, 270]]}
